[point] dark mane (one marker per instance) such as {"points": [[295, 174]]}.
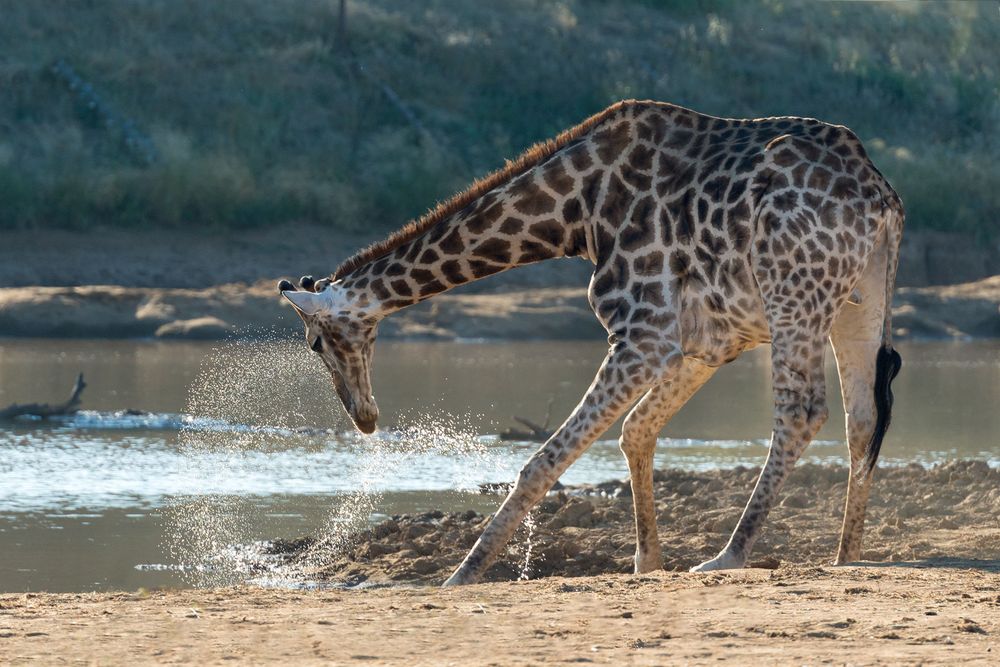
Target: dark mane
{"points": [[443, 210]]}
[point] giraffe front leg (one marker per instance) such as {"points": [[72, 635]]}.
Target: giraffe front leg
{"points": [[622, 378], [800, 410], [638, 443]]}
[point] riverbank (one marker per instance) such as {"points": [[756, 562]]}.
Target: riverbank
{"points": [[947, 513], [525, 312], [905, 614]]}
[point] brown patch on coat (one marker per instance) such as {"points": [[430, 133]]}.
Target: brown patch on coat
{"points": [[526, 161]]}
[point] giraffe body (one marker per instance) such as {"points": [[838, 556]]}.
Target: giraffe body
{"points": [[708, 236]]}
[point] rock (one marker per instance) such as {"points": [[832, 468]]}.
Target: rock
{"points": [[795, 500], [766, 563], [576, 512], [385, 528], [418, 530], [425, 565], [375, 549]]}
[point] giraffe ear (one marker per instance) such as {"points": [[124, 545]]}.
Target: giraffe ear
{"points": [[307, 303]]}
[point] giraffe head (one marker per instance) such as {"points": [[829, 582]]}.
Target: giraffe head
{"points": [[344, 338]]}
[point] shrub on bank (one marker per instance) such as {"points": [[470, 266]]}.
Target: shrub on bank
{"points": [[261, 115]]}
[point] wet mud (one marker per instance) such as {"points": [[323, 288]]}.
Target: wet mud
{"points": [[950, 512]]}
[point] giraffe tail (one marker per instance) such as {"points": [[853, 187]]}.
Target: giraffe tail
{"points": [[887, 361]]}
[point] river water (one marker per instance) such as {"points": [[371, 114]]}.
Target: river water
{"points": [[236, 442]]}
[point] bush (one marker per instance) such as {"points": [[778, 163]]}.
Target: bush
{"points": [[260, 118]]}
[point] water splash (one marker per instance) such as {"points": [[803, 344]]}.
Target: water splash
{"points": [[529, 523], [222, 538], [235, 385], [383, 455]]}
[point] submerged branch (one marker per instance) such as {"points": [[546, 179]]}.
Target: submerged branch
{"points": [[44, 410], [535, 432]]}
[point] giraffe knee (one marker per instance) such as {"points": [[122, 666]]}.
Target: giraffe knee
{"points": [[638, 438], [860, 426], [535, 478], [817, 414], [801, 412]]}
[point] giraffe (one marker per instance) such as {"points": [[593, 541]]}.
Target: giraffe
{"points": [[709, 236]]}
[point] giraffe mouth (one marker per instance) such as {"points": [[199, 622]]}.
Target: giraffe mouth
{"points": [[365, 426], [364, 417]]}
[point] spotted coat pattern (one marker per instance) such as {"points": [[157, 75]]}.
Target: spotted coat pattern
{"points": [[708, 236]]}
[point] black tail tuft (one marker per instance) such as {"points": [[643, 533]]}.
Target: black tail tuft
{"points": [[887, 365]]}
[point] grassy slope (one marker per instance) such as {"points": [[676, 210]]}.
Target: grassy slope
{"points": [[259, 120]]}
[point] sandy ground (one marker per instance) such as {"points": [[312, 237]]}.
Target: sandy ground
{"points": [[929, 595], [901, 614]]}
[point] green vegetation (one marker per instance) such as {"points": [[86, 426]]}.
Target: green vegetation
{"points": [[260, 116]]}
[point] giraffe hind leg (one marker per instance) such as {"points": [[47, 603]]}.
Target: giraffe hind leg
{"points": [[857, 340], [799, 412]]}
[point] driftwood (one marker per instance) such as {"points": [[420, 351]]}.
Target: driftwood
{"points": [[535, 432], [44, 410]]}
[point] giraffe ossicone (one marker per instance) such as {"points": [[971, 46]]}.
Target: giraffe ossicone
{"points": [[308, 303], [708, 236]]}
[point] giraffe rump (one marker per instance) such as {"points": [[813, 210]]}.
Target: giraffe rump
{"points": [[511, 170]]}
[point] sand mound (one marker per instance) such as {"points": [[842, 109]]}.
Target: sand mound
{"points": [[949, 511]]}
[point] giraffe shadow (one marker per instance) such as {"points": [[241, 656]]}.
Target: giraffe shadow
{"points": [[986, 565]]}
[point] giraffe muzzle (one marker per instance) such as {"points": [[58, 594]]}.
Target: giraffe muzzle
{"points": [[365, 417]]}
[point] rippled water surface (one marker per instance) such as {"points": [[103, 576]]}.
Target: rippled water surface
{"points": [[243, 441]]}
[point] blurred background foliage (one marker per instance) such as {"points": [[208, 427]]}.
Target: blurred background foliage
{"points": [[269, 113]]}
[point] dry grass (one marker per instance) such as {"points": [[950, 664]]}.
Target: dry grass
{"points": [[260, 119]]}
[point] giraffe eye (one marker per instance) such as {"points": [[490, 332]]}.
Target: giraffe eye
{"points": [[317, 344]]}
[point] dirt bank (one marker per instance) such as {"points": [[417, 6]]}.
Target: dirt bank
{"points": [[119, 283], [956, 311], [249, 310], [950, 511], [196, 259]]}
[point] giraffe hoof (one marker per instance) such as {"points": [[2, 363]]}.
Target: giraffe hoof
{"points": [[647, 565], [846, 560], [723, 561], [460, 577]]}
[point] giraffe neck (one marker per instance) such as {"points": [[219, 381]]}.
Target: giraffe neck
{"points": [[533, 217]]}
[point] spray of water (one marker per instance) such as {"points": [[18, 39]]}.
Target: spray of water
{"points": [[425, 436], [274, 388], [237, 384], [529, 524]]}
